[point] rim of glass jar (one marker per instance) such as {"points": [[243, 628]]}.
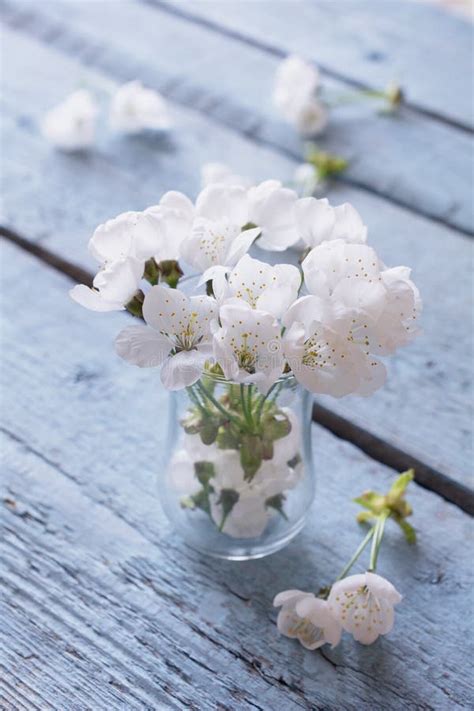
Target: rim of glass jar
{"points": [[283, 378]]}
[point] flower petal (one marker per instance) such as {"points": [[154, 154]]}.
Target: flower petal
{"points": [[91, 299], [183, 369], [164, 308], [142, 346]]}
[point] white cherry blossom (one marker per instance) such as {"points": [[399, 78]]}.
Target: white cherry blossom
{"points": [[212, 173], [305, 179], [318, 221], [113, 286], [377, 308], [306, 618], [130, 234], [216, 236], [250, 514], [310, 118], [322, 356], [173, 218], [295, 95], [247, 519], [181, 473], [248, 345], [177, 336], [363, 604], [71, 125], [265, 287], [272, 209], [134, 108]]}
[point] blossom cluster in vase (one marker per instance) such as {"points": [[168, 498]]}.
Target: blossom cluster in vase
{"points": [[325, 321]]}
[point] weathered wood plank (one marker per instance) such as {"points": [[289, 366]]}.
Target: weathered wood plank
{"points": [[237, 92], [104, 607], [58, 200], [363, 41]]}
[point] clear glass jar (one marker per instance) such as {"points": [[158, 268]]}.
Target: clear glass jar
{"points": [[238, 478]]}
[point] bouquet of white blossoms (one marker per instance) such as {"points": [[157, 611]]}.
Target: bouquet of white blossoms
{"points": [[326, 322]]}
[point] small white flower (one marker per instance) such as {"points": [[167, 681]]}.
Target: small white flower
{"points": [[265, 287], [247, 519], [174, 216], [310, 118], [305, 179], [130, 234], [70, 126], [177, 336], [248, 345], [296, 86], [377, 308], [363, 605], [181, 473], [212, 173], [135, 108], [306, 618], [296, 81], [318, 221], [113, 286], [216, 236], [272, 209], [323, 356]]}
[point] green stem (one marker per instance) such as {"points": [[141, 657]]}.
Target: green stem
{"points": [[250, 403], [196, 400], [377, 540], [357, 554], [217, 404], [244, 405], [263, 400]]}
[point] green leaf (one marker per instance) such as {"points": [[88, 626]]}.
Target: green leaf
{"points": [[250, 455], [201, 501], [267, 449], [152, 271], [276, 426], [227, 437], [372, 501], [170, 272], [293, 463], [227, 499], [364, 516], [400, 484], [208, 432], [276, 502], [204, 472], [408, 530]]}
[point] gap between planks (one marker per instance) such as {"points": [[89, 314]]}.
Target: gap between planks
{"points": [[276, 51], [375, 447], [71, 39]]}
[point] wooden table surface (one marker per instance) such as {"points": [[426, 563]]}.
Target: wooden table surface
{"points": [[102, 607]]}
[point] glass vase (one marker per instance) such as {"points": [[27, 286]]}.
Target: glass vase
{"points": [[238, 477]]}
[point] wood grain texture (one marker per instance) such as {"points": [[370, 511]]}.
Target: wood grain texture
{"points": [[102, 605], [58, 200], [232, 82], [422, 47]]}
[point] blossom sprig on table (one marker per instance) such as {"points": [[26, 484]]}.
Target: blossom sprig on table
{"points": [[71, 125], [303, 100], [361, 604]]}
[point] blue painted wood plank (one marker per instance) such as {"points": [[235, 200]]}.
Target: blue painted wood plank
{"points": [[410, 159], [425, 48], [104, 608], [425, 408]]}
